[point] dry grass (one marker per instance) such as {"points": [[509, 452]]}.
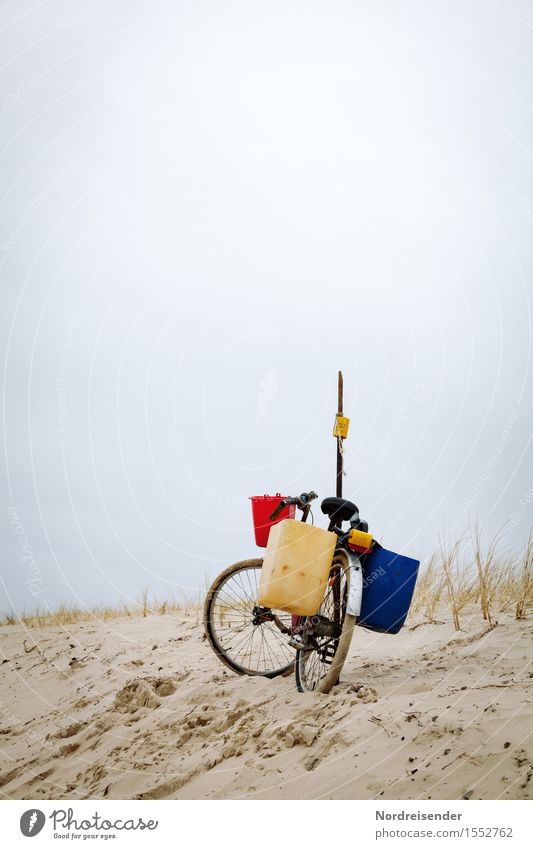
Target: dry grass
{"points": [[461, 582], [429, 590], [474, 571], [467, 572], [186, 605], [525, 579]]}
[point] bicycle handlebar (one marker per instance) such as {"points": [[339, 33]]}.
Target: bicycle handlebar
{"points": [[301, 501]]}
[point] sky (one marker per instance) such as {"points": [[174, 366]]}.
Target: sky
{"points": [[206, 211]]}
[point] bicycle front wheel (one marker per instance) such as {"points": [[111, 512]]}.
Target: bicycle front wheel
{"points": [[245, 647], [319, 666]]}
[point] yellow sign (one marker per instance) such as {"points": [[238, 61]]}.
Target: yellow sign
{"points": [[340, 428]]}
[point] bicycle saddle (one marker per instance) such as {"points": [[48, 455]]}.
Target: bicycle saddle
{"points": [[339, 510]]}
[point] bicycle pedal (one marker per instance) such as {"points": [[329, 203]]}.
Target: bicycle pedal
{"points": [[297, 643]]}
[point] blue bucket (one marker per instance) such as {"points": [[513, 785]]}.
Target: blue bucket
{"points": [[388, 584]]}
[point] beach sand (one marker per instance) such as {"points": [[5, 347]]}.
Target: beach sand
{"points": [[141, 708]]}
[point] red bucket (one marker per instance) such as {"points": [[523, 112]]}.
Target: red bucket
{"points": [[262, 508]]}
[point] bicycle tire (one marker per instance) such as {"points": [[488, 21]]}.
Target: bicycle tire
{"points": [[331, 677], [278, 645]]}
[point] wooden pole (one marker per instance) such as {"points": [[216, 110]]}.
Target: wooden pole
{"points": [[339, 440]]}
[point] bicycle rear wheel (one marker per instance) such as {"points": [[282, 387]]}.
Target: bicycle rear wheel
{"points": [[248, 649], [318, 668]]}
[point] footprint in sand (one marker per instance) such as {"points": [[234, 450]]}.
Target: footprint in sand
{"points": [[70, 730], [67, 750], [143, 693]]}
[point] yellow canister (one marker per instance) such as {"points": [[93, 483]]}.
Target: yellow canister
{"points": [[296, 567]]}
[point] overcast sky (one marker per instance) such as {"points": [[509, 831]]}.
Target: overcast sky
{"points": [[209, 208]]}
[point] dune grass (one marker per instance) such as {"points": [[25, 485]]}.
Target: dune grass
{"points": [[475, 572], [188, 604], [466, 573]]}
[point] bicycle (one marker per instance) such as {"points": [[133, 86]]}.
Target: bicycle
{"points": [[255, 640]]}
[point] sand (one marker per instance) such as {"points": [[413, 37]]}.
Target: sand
{"points": [[141, 708]]}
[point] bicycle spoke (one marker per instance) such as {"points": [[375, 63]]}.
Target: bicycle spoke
{"points": [[260, 648]]}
